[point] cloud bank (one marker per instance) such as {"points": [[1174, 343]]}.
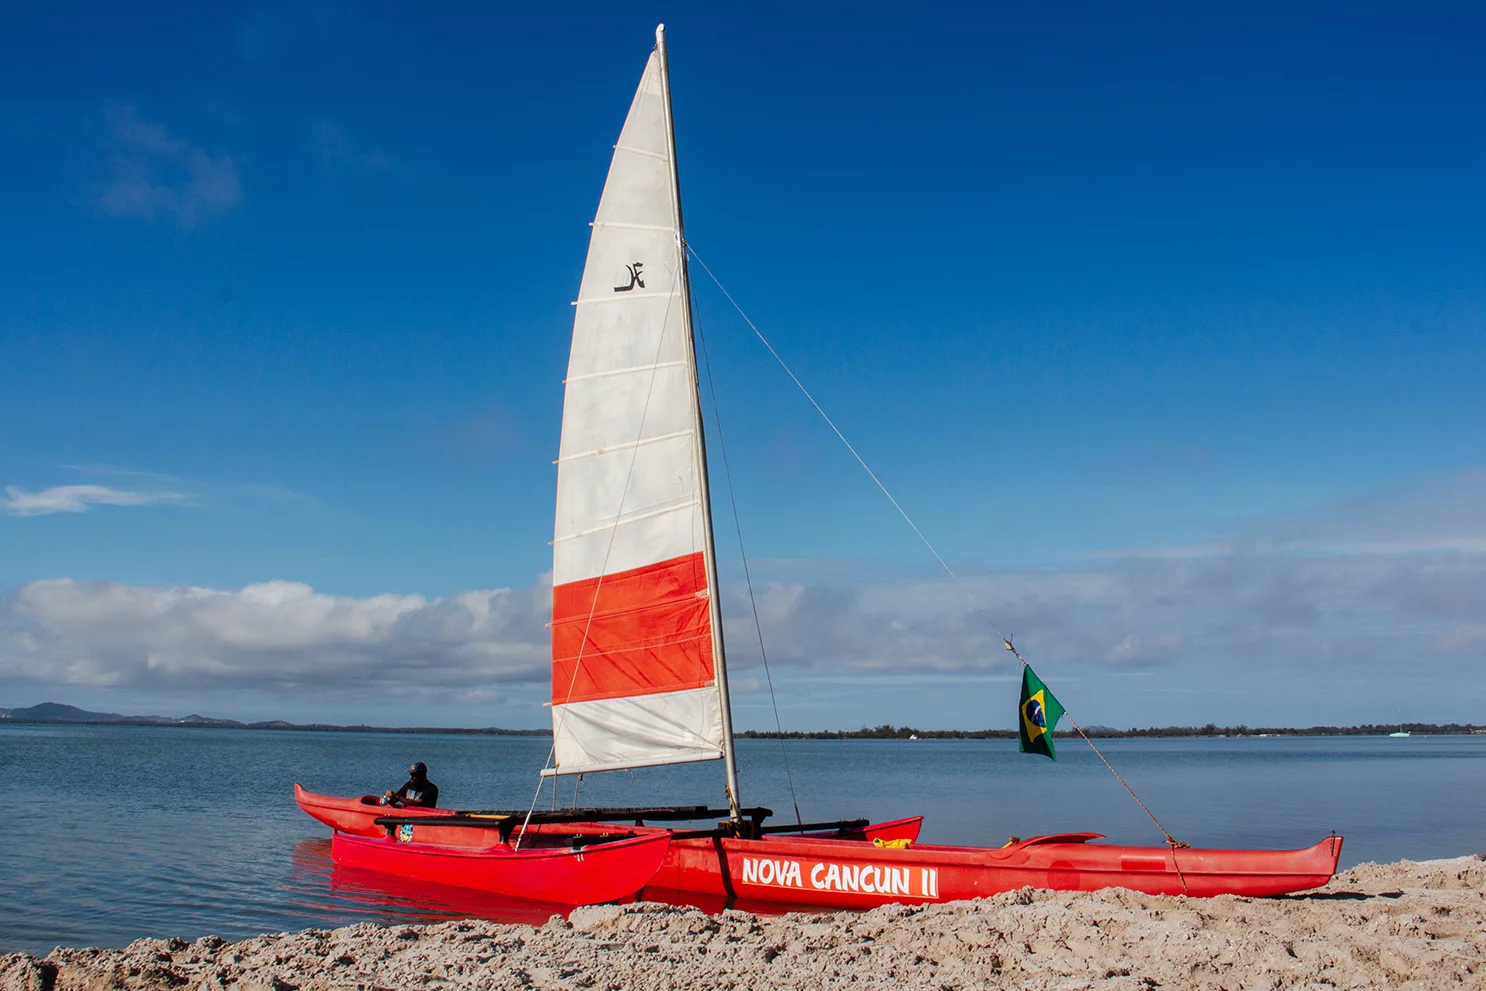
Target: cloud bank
{"points": [[1341, 618], [275, 635]]}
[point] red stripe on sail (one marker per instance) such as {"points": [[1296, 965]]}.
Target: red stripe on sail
{"points": [[650, 631]]}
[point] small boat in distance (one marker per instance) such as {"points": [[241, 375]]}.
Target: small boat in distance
{"points": [[1400, 733], [639, 669]]}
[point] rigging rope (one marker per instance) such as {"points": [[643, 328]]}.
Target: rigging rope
{"points": [[748, 578], [975, 605]]}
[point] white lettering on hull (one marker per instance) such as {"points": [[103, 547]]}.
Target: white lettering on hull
{"points": [[778, 873], [865, 879]]}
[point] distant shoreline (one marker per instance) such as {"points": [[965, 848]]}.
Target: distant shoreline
{"points": [[54, 714], [270, 726]]}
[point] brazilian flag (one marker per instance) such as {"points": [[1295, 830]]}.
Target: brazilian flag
{"points": [[1037, 716]]}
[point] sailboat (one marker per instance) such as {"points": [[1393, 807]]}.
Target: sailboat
{"points": [[639, 663]]}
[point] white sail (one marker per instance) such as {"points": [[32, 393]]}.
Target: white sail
{"points": [[634, 681]]}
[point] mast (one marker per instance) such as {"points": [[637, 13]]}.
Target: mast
{"points": [[709, 548]]}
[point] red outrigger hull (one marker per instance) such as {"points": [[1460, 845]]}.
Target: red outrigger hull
{"points": [[354, 815], [847, 871], [601, 872]]}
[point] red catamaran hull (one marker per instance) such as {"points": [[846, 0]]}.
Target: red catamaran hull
{"points": [[601, 872], [835, 874], [826, 871]]}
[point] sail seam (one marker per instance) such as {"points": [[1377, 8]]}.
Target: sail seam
{"points": [[624, 446], [625, 297], [622, 371], [620, 225], [608, 651], [689, 504], [685, 757], [641, 151]]}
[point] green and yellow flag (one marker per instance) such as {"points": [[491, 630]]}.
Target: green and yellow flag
{"points": [[1037, 716]]}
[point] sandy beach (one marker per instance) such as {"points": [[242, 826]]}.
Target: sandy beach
{"points": [[1403, 925]]}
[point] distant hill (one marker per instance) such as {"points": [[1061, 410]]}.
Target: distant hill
{"points": [[57, 712]]}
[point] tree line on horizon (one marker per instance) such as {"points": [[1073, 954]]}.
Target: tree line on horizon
{"points": [[887, 731]]}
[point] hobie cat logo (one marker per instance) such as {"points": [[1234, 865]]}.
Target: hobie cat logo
{"points": [[636, 277]]}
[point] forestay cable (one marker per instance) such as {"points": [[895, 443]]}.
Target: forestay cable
{"points": [[1006, 640]]}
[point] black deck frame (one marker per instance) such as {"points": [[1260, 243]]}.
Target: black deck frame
{"points": [[749, 825]]}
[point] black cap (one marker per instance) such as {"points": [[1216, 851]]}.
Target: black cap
{"points": [[418, 768]]}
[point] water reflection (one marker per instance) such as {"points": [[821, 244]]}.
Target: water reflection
{"points": [[319, 888]]}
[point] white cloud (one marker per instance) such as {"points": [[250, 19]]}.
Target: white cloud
{"points": [[153, 174], [77, 499], [275, 635]]}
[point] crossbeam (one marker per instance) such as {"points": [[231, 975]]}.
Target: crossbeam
{"points": [[506, 819]]}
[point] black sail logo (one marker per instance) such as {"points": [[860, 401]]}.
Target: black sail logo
{"points": [[636, 277]]}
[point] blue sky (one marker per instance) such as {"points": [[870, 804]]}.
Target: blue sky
{"points": [[1168, 327]]}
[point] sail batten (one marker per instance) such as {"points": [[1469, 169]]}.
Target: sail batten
{"points": [[634, 681], [625, 447], [690, 505], [624, 371], [627, 299]]}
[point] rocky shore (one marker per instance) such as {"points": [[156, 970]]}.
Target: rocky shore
{"points": [[1406, 925]]}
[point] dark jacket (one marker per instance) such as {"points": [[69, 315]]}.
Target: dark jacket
{"points": [[419, 792]]}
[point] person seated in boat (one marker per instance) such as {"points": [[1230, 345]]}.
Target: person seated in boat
{"points": [[418, 792]]}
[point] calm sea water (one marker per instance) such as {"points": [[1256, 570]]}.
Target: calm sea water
{"points": [[123, 832]]}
